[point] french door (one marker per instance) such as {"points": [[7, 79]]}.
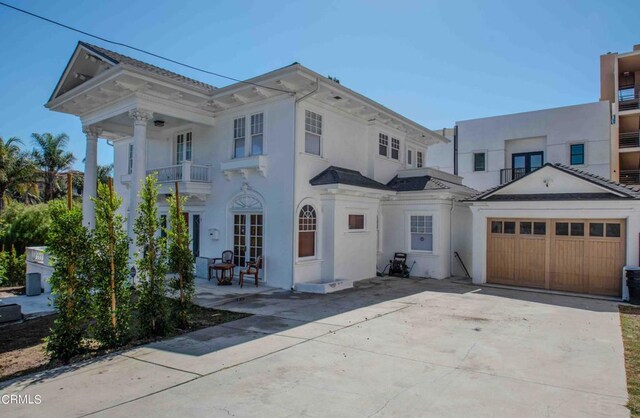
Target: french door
{"points": [[247, 237], [526, 162]]}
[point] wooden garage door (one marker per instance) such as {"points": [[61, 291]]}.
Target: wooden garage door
{"points": [[574, 255]]}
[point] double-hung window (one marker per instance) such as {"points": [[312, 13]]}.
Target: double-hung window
{"points": [[395, 148], [239, 132], [183, 147], [421, 230], [257, 131], [313, 132], [419, 159], [383, 144]]}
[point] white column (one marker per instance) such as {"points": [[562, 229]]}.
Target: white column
{"points": [[90, 184], [140, 118]]}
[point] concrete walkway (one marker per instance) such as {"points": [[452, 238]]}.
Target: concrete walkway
{"points": [[385, 348]]}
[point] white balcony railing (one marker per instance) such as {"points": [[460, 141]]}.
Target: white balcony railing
{"points": [[184, 172]]}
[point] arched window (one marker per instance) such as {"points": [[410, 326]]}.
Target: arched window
{"points": [[307, 223]]}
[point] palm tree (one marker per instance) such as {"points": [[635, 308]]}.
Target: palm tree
{"points": [[52, 158], [16, 168], [105, 172]]}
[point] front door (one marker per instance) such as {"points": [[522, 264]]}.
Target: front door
{"points": [[525, 162], [247, 237]]}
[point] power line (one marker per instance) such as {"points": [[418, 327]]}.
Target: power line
{"points": [[138, 49]]}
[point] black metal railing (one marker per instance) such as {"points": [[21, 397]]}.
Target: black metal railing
{"points": [[511, 174], [628, 100], [629, 139], [630, 176]]}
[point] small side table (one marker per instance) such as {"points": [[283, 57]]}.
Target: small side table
{"points": [[226, 275]]}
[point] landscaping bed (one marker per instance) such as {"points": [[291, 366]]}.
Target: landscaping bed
{"points": [[630, 322], [22, 348]]}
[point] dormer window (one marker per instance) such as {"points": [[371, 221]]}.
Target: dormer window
{"points": [[395, 148], [383, 144]]}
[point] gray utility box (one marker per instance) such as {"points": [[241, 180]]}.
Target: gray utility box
{"points": [[10, 313], [32, 287]]}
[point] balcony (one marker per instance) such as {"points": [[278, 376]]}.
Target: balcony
{"points": [[510, 174], [630, 177], [193, 179], [627, 100], [244, 166], [629, 140]]}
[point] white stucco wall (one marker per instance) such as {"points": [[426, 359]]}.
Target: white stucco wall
{"points": [[549, 130]]}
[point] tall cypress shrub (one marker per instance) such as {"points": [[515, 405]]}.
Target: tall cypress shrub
{"points": [[151, 262], [181, 260], [67, 246], [111, 299]]}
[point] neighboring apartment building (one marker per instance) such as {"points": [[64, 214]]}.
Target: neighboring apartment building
{"points": [[491, 151], [620, 85], [321, 181]]}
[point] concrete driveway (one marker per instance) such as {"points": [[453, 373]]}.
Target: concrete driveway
{"points": [[389, 347]]}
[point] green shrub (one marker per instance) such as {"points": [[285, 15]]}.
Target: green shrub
{"points": [[108, 258], [67, 244], [25, 225], [180, 259], [151, 262]]}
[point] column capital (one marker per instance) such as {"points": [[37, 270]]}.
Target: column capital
{"points": [[92, 132], [140, 115]]}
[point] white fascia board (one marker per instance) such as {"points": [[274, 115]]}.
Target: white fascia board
{"points": [[340, 188], [83, 88]]}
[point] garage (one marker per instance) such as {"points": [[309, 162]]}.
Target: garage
{"points": [[559, 229], [573, 255]]}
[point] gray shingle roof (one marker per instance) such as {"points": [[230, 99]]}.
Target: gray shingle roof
{"points": [[123, 59], [340, 175], [628, 192], [418, 183]]}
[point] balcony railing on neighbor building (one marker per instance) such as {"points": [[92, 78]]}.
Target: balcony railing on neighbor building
{"points": [[510, 174], [187, 172], [629, 139], [630, 176], [628, 100]]}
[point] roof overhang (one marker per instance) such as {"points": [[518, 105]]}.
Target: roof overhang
{"points": [[357, 191]]}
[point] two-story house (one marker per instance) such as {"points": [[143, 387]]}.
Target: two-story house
{"points": [[323, 182], [490, 151]]}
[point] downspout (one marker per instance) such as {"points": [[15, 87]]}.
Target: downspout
{"points": [[295, 160], [453, 202]]}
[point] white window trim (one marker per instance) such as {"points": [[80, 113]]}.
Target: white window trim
{"points": [[399, 159], [248, 152], [304, 130], [434, 232], [247, 138], [184, 132], [424, 154], [387, 155], [584, 144], [413, 157], [486, 160], [366, 222], [316, 256]]}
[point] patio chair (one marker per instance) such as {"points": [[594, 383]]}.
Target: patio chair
{"points": [[253, 268], [226, 258]]}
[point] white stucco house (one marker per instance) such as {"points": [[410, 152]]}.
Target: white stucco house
{"points": [[490, 151], [323, 182]]}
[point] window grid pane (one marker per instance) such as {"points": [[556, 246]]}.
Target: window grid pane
{"points": [[395, 148], [421, 233], [179, 148], [419, 159], [383, 144], [313, 122], [188, 147]]}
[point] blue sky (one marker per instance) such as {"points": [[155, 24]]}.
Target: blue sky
{"points": [[433, 61]]}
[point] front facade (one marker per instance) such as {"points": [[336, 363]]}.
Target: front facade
{"points": [[620, 86], [491, 151], [245, 156]]}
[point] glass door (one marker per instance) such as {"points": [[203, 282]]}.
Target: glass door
{"points": [[247, 237], [526, 162]]}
